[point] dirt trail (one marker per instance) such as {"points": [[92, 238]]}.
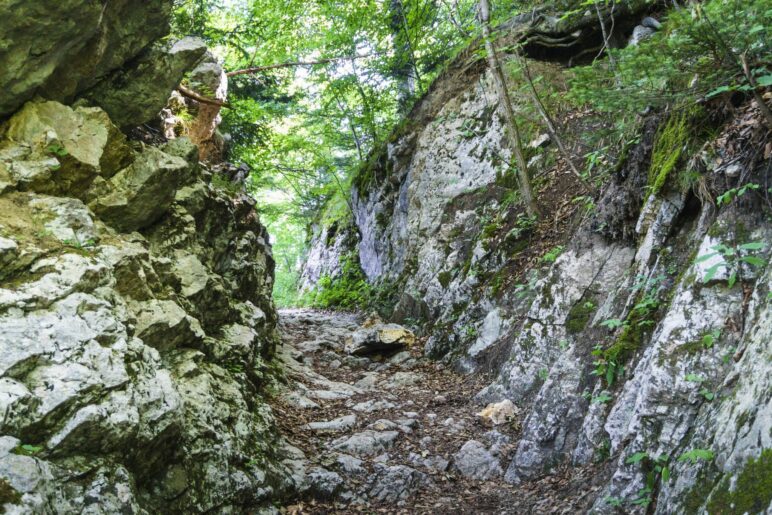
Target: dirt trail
{"points": [[383, 434]]}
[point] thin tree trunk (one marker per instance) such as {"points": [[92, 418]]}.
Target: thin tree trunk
{"points": [[551, 128], [353, 128], [759, 98], [611, 61], [403, 67], [513, 131]]}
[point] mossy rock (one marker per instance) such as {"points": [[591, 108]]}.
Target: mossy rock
{"points": [[444, 278], [579, 316], [752, 491], [8, 494]]}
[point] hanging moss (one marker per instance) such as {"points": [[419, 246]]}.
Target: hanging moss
{"points": [[752, 491], [670, 146]]}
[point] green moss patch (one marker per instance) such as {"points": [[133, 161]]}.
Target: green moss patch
{"points": [[752, 492], [579, 316], [8, 495], [444, 278], [671, 146]]}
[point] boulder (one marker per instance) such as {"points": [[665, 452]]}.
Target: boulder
{"points": [[56, 149], [59, 49], [366, 443], [474, 461], [379, 338], [137, 94], [395, 483], [321, 483], [140, 194], [165, 325]]}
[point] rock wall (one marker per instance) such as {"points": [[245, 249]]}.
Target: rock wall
{"points": [[627, 338], [136, 323]]}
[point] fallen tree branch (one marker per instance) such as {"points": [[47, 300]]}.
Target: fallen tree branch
{"points": [[189, 93], [256, 69]]}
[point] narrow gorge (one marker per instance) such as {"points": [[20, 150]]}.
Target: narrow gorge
{"points": [[427, 341]]}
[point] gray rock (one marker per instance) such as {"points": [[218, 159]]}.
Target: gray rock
{"points": [[349, 464], [373, 405], [142, 193], [321, 483], [366, 443], [62, 49], [334, 426], [137, 94], [475, 462], [395, 483]]}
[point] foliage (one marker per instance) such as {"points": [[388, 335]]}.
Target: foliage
{"points": [[670, 146], [731, 259], [348, 290], [695, 455], [697, 54], [609, 361]]}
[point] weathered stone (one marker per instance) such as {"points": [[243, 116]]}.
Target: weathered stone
{"points": [[379, 338], [143, 192], [137, 94], [395, 483], [373, 405], [475, 462], [164, 325], [334, 426], [62, 49], [56, 149], [366, 443], [321, 483]]}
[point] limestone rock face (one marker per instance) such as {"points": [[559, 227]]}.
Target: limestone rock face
{"points": [[60, 49], [636, 336], [51, 148], [141, 193], [138, 94], [130, 362]]}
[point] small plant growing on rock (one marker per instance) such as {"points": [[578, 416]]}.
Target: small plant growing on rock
{"points": [[732, 259], [696, 455], [552, 255]]}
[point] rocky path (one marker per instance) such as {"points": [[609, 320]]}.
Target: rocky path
{"points": [[398, 433]]}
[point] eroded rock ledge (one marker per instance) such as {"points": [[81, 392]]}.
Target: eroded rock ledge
{"points": [[135, 324]]}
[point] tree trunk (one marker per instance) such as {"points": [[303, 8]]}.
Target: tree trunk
{"points": [[513, 131], [402, 67]]}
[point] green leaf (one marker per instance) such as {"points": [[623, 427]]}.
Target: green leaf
{"points": [[636, 458], [612, 323], [711, 272], [694, 378], [754, 245], [665, 474], [732, 279], [720, 90], [764, 81], [753, 260], [696, 455], [706, 257]]}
